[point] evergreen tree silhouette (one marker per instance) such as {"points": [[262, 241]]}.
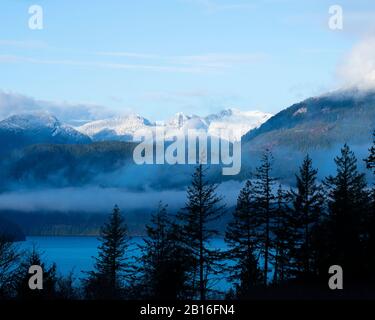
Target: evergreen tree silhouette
{"points": [[371, 158], [307, 205], [66, 290], [265, 198], [284, 230], [242, 239], [347, 203], [112, 266], [50, 278], [9, 259], [203, 207], [370, 219], [164, 262]]}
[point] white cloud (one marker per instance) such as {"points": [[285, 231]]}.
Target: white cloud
{"points": [[24, 44], [198, 62], [358, 67], [203, 63], [220, 60], [13, 103], [128, 60], [107, 65]]}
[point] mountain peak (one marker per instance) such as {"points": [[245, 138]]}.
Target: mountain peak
{"points": [[34, 128], [124, 127], [27, 121], [121, 126], [323, 121]]}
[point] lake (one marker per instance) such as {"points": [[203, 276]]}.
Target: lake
{"points": [[69, 253], [75, 253]]}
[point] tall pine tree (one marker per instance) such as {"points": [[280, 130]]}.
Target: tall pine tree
{"points": [[370, 218], [307, 204], [265, 198], [347, 202], [284, 230], [112, 268], [9, 260], [371, 158], [50, 278], [242, 239], [203, 208], [164, 263]]}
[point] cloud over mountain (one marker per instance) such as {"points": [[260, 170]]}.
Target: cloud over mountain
{"points": [[123, 128], [358, 67], [74, 114]]}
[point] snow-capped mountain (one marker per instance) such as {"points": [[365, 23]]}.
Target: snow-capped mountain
{"points": [[119, 128], [235, 121], [123, 128], [24, 129], [177, 121], [181, 123]]}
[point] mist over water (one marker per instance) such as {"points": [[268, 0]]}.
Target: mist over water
{"points": [[143, 187], [96, 199]]}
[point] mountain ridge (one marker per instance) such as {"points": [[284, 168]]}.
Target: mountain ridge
{"points": [[32, 128], [323, 121], [318, 126], [124, 128]]}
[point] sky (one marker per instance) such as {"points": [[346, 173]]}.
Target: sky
{"points": [[157, 58]]}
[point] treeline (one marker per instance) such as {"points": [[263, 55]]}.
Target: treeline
{"points": [[278, 239]]}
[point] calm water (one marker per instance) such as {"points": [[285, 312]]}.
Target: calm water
{"points": [[75, 253], [69, 253]]}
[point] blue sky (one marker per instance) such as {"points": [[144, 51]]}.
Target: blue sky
{"points": [[160, 57]]}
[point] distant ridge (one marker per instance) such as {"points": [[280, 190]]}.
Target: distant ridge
{"points": [[320, 122], [26, 129], [123, 128]]}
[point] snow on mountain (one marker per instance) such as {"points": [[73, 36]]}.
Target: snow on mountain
{"points": [[32, 121], [119, 128], [177, 121], [181, 123], [237, 121], [25, 129], [124, 128]]}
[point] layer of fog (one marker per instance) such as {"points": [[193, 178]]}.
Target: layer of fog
{"points": [[142, 187], [96, 199]]}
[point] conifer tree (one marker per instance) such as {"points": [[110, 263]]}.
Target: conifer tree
{"points": [[21, 283], [112, 268], [9, 259], [66, 289], [347, 202], [284, 230], [369, 237], [164, 264], [265, 198], [203, 207], [371, 158], [369, 222], [307, 204], [242, 239]]}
